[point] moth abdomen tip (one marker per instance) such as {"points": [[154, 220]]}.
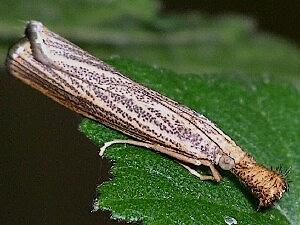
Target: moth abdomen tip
{"points": [[34, 23], [37, 35], [32, 28]]}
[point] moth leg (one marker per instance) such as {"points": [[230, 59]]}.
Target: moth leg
{"points": [[131, 142], [217, 176], [195, 173], [215, 173]]}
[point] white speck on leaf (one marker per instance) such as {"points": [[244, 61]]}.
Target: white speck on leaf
{"points": [[230, 220], [95, 205]]}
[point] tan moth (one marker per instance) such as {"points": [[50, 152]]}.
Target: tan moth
{"points": [[85, 84]]}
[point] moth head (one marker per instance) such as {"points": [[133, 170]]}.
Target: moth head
{"points": [[266, 184], [226, 162]]}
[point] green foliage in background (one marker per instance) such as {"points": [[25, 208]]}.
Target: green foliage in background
{"points": [[261, 115], [243, 85], [186, 43]]}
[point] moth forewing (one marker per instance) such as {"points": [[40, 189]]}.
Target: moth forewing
{"points": [[85, 84]]}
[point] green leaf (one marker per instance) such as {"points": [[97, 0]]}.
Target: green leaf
{"points": [[261, 115]]}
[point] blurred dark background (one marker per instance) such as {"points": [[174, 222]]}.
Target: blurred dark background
{"points": [[49, 170], [279, 17]]}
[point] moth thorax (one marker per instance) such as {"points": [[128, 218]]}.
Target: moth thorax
{"points": [[267, 185]]}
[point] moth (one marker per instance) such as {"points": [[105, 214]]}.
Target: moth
{"points": [[74, 78]]}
